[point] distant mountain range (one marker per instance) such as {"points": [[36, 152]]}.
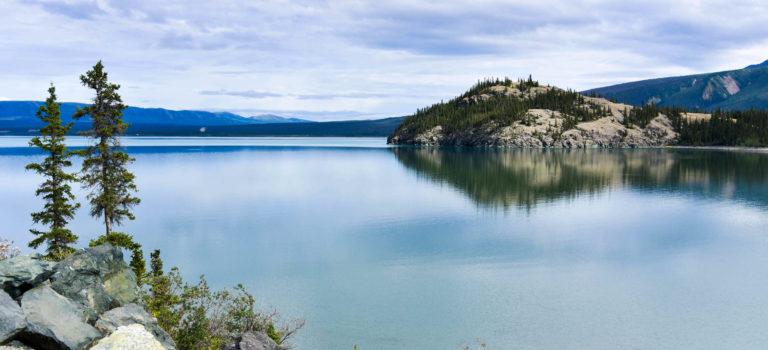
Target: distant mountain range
{"points": [[18, 118], [739, 89], [271, 119]]}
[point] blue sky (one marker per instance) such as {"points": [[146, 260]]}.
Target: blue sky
{"points": [[360, 59]]}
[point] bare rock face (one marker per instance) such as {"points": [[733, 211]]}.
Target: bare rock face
{"points": [[11, 318], [54, 322], [132, 314], [24, 272], [252, 341], [543, 129]]}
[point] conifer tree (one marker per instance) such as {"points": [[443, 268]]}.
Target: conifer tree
{"points": [[59, 201], [105, 165]]}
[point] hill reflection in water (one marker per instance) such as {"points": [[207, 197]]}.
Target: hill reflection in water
{"points": [[526, 178]]}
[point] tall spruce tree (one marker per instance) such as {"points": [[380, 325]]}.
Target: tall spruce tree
{"points": [[105, 165], [59, 201]]}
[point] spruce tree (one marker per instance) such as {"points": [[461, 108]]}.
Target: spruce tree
{"points": [[59, 201], [105, 165]]}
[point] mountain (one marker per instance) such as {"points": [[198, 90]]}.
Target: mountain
{"points": [[765, 63], [21, 114], [739, 89], [18, 118], [346, 128], [271, 118]]}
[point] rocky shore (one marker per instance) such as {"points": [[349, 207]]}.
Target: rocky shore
{"points": [[90, 300], [543, 128]]}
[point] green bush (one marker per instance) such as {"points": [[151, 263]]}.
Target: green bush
{"points": [[200, 318]]}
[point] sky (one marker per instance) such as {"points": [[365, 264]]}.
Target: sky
{"points": [[333, 60]]}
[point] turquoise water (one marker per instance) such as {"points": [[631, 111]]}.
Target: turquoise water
{"points": [[402, 248]]}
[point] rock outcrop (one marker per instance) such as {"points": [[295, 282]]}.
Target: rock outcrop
{"points": [[544, 128], [81, 278], [252, 341], [12, 319], [88, 300], [24, 272], [132, 314], [130, 337], [54, 322]]}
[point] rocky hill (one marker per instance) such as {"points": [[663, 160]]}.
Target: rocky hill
{"points": [[739, 89], [524, 114]]}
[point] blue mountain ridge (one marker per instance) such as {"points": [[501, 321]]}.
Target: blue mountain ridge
{"points": [[739, 89], [22, 114]]}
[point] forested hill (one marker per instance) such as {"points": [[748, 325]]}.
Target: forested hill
{"points": [[739, 89], [22, 114], [18, 118], [505, 113]]}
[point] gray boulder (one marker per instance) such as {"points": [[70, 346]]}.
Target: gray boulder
{"points": [[80, 277], [24, 272], [11, 317], [54, 322], [134, 314], [123, 286], [130, 337], [252, 341]]}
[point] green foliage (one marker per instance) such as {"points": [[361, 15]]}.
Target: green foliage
{"points": [[105, 165], [726, 128], [126, 241], [198, 317], [59, 201], [481, 105]]}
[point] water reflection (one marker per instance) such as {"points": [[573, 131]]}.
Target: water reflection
{"points": [[525, 178]]}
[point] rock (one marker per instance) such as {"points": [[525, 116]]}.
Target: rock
{"points": [[15, 345], [134, 314], [252, 341], [11, 317], [80, 277], [24, 272], [130, 337], [123, 287], [53, 321]]}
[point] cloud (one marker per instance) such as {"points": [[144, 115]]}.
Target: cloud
{"points": [[82, 10], [374, 57], [259, 95], [247, 94]]}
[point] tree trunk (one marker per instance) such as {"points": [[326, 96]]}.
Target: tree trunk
{"points": [[108, 222]]}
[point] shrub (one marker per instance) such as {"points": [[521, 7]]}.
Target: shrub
{"points": [[199, 318]]}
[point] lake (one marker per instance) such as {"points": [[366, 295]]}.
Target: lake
{"points": [[407, 248]]}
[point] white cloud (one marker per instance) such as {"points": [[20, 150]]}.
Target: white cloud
{"points": [[374, 57]]}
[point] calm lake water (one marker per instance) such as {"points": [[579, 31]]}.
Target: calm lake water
{"points": [[402, 248]]}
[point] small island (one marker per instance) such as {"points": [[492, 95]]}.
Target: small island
{"points": [[525, 114]]}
